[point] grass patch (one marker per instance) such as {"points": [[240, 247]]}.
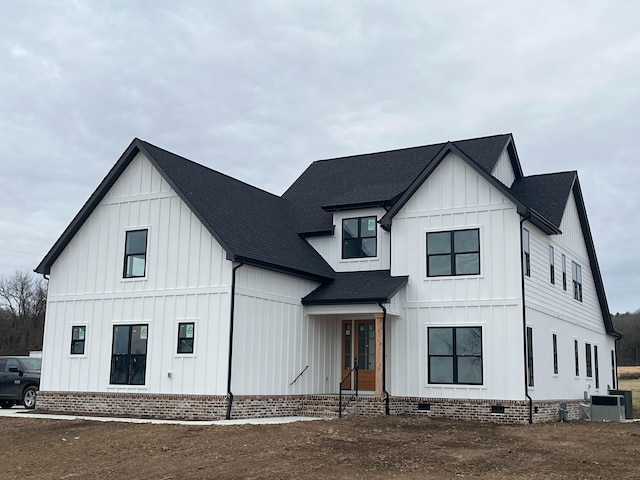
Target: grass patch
{"points": [[629, 372], [634, 386]]}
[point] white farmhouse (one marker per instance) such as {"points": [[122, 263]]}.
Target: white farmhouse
{"points": [[435, 280]]}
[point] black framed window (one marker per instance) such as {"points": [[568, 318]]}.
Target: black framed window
{"points": [[564, 272], [78, 334], [530, 379], [595, 365], [453, 253], [455, 355], [575, 351], [587, 359], [613, 369], [186, 334], [576, 275], [552, 269], [359, 237], [135, 254], [555, 353], [129, 354], [526, 253]]}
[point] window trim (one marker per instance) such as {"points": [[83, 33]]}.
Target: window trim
{"points": [[453, 253], [455, 356], [588, 359], [360, 237], [83, 340], [564, 272], [186, 321], [530, 361], [526, 252], [577, 357], [126, 255], [552, 262], [595, 367], [129, 324], [554, 346], [576, 278]]}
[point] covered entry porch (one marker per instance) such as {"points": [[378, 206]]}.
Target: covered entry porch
{"points": [[360, 303]]}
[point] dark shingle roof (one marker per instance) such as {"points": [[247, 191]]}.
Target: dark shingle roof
{"points": [[546, 194], [252, 225], [375, 179], [377, 286]]}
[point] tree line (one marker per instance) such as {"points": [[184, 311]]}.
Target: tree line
{"points": [[628, 324], [23, 298]]}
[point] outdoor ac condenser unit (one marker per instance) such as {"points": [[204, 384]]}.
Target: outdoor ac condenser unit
{"points": [[607, 408]]}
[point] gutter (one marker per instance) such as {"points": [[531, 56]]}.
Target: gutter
{"points": [[231, 319], [525, 216], [384, 355]]}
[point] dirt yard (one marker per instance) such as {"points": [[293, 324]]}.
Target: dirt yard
{"points": [[385, 447]]}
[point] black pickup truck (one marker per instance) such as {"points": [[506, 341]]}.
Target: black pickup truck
{"points": [[19, 381]]}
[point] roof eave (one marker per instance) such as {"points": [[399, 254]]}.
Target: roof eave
{"points": [[317, 277]]}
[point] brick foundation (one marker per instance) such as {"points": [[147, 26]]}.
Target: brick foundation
{"points": [[214, 407]]}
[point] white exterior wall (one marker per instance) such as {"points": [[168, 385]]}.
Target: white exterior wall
{"points": [[274, 340], [503, 170], [188, 279], [551, 309], [330, 247], [455, 196]]}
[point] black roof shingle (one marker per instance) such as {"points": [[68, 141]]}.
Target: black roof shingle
{"points": [[377, 286]]}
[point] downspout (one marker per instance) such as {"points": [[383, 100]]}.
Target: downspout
{"points": [[526, 216], [384, 356], [231, 321]]}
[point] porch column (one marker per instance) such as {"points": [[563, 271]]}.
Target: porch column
{"points": [[379, 359]]}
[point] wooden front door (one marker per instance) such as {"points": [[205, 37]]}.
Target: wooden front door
{"points": [[359, 348]]}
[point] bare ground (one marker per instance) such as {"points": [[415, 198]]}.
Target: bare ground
{"points": [[384, 447]]}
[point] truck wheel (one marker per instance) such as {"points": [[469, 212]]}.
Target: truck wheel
{"points": [[29, 397]]}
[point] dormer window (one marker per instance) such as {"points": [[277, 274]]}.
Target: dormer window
{"points": [[135, 254], [359, 237]]}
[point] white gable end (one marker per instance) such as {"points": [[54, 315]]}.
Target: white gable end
{"points": [[503, 170]]}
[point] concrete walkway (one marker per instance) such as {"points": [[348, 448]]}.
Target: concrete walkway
{"points": [[21, 412]]}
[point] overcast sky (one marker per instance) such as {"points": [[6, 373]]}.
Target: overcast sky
{"points": [[259, 89]]}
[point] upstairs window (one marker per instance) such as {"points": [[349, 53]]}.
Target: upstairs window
{"points": [[564, 272], [359, 237], [135, 254], [552, 270], [453, 253], [576, 274], [77, 339], [526, 253]]}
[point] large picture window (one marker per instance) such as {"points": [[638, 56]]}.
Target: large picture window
{"points": [[135, 253], [455, 355], [359, 237], [453, 253], [129, 354]]}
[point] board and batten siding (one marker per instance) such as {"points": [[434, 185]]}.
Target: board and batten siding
{"points": [[330, 247], [503, 169], [187, 279], [455, 197], [274, 341], [551, 309]]}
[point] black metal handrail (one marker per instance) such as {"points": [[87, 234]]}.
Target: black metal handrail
{"points": [[299, 375], [348, 377]]}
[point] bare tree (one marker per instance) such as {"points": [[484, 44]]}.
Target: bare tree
{"points": [[23, 298]]}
